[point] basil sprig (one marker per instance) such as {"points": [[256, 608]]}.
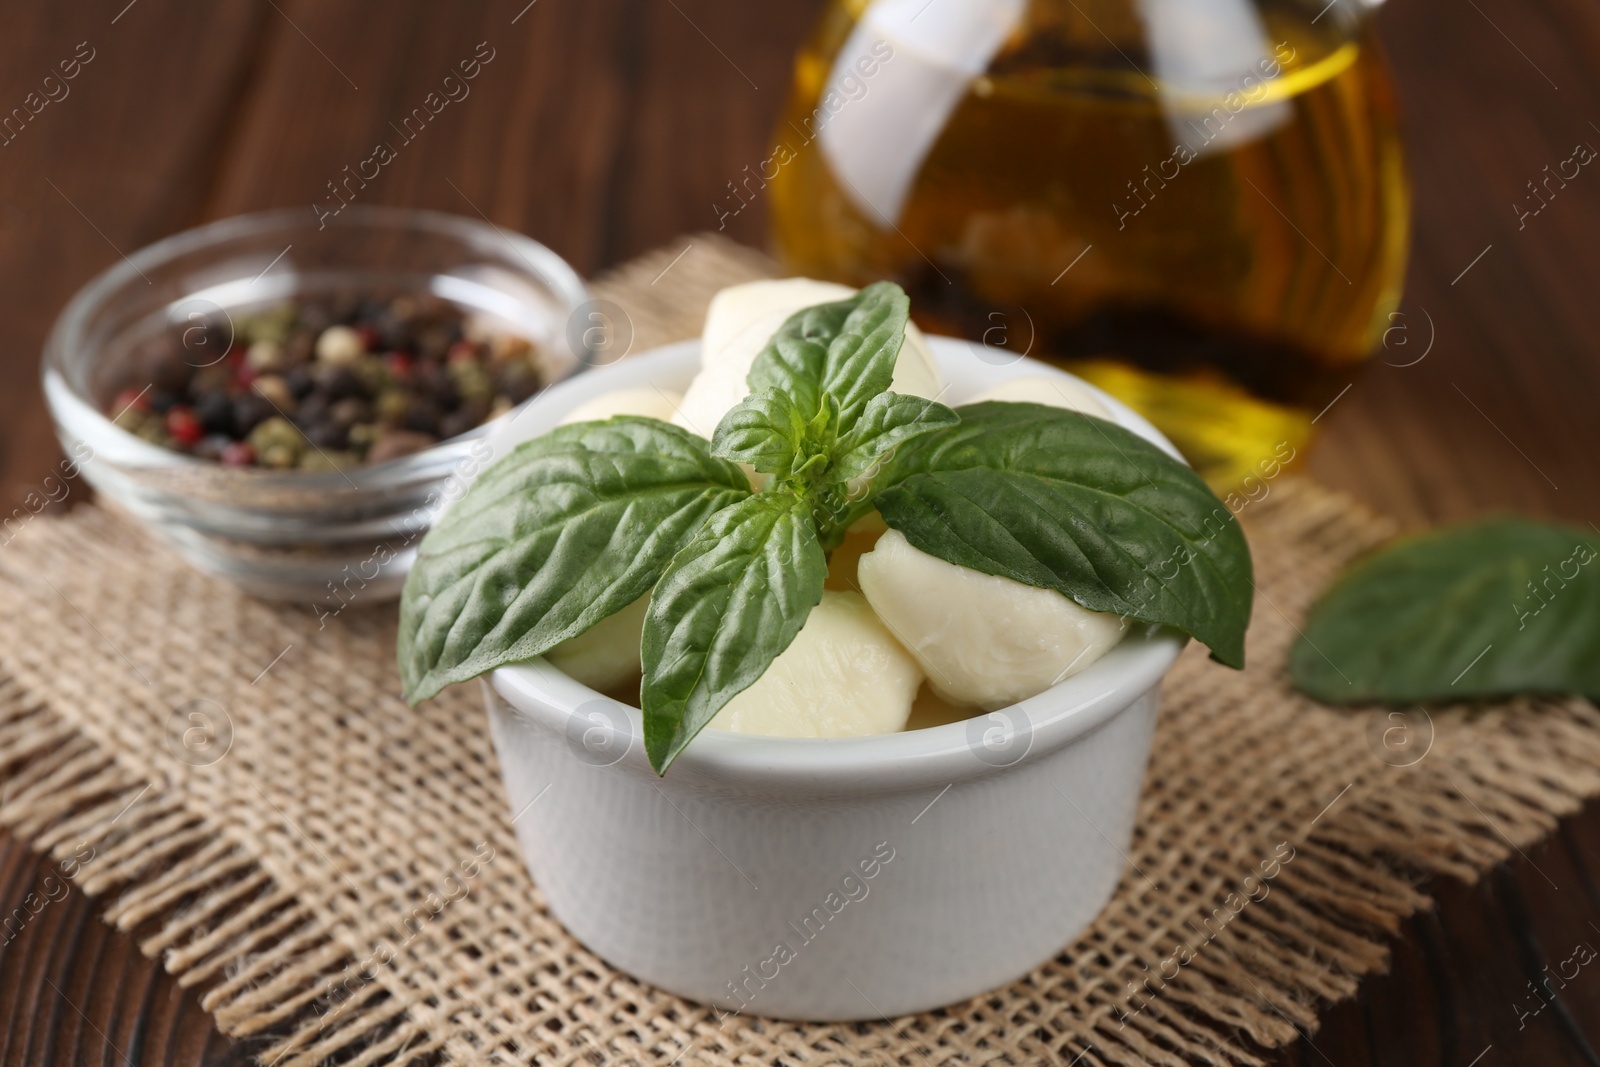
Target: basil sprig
{"points": [[582, 522]]}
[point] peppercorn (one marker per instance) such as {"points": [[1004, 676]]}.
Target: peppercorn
{"points": [[212, 446], [278, 457], [339, 346], [327, 434], [390, 330], [434, 342], [249, 409], [362, 435], [472, 382], [182, 425], [422, 415], [214, 409], [398, 364], [350, 410], [299, 349], [239, 454], [391, 405], [216, 378], [275, 391], [313, 409], [265, 356], [434, 382], [277, 442], [372, 373], [129, 398], [339, 382], [300, 382]]}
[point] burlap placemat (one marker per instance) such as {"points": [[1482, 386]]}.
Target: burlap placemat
{"points": [[337, 871]]}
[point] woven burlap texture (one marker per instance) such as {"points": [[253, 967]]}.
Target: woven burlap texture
{"points": [[337, 871]]}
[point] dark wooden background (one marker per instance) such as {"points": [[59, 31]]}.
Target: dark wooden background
{"points": [[606, 127]]}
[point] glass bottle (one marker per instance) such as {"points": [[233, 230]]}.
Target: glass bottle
{"points": [[1200, 205]]}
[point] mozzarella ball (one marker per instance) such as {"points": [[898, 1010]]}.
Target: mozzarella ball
{"points": [[844, 675], [740, 322], [606, 655], [651, 403], [983, 641], [735, 308], [1049, 391]]}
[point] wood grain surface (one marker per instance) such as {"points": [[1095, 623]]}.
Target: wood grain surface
{"points": [[607, 127]]}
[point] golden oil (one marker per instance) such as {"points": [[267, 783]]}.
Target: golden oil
{"points": [[1219, 253]]}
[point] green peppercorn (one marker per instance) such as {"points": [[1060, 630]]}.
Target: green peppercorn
{"points": [[472, 381], [362, 435], [278, 457], [391, 406], [372, 373], [277, 442]]}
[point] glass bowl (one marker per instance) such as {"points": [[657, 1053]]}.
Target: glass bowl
{"points": [[325, 537]]}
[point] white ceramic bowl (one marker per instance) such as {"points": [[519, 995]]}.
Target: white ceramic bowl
{"points": [[829, 879]]}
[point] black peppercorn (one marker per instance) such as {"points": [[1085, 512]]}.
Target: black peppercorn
{"points": [[214, 409], [249, 411], [300, 382]]}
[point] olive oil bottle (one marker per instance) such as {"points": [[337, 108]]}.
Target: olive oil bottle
{"points": [[1199, 205]]}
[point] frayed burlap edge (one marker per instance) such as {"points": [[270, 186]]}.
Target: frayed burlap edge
{"points": [[1262, 957]]}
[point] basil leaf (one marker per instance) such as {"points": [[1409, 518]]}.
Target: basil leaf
{"points": [[887, 421], [565, 530], [860, 362], [794, 360], [1487, 609], [847, 348], [730, 603], [1065, 501], [766, 430]]}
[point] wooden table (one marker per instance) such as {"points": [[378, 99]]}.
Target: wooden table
{"points": [[606, 127]]}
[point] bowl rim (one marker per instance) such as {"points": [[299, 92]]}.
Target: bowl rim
{"points": [[71, 407], [1071, 709]]}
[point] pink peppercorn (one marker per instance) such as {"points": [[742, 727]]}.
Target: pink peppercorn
{"points": [[183, 426]]}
